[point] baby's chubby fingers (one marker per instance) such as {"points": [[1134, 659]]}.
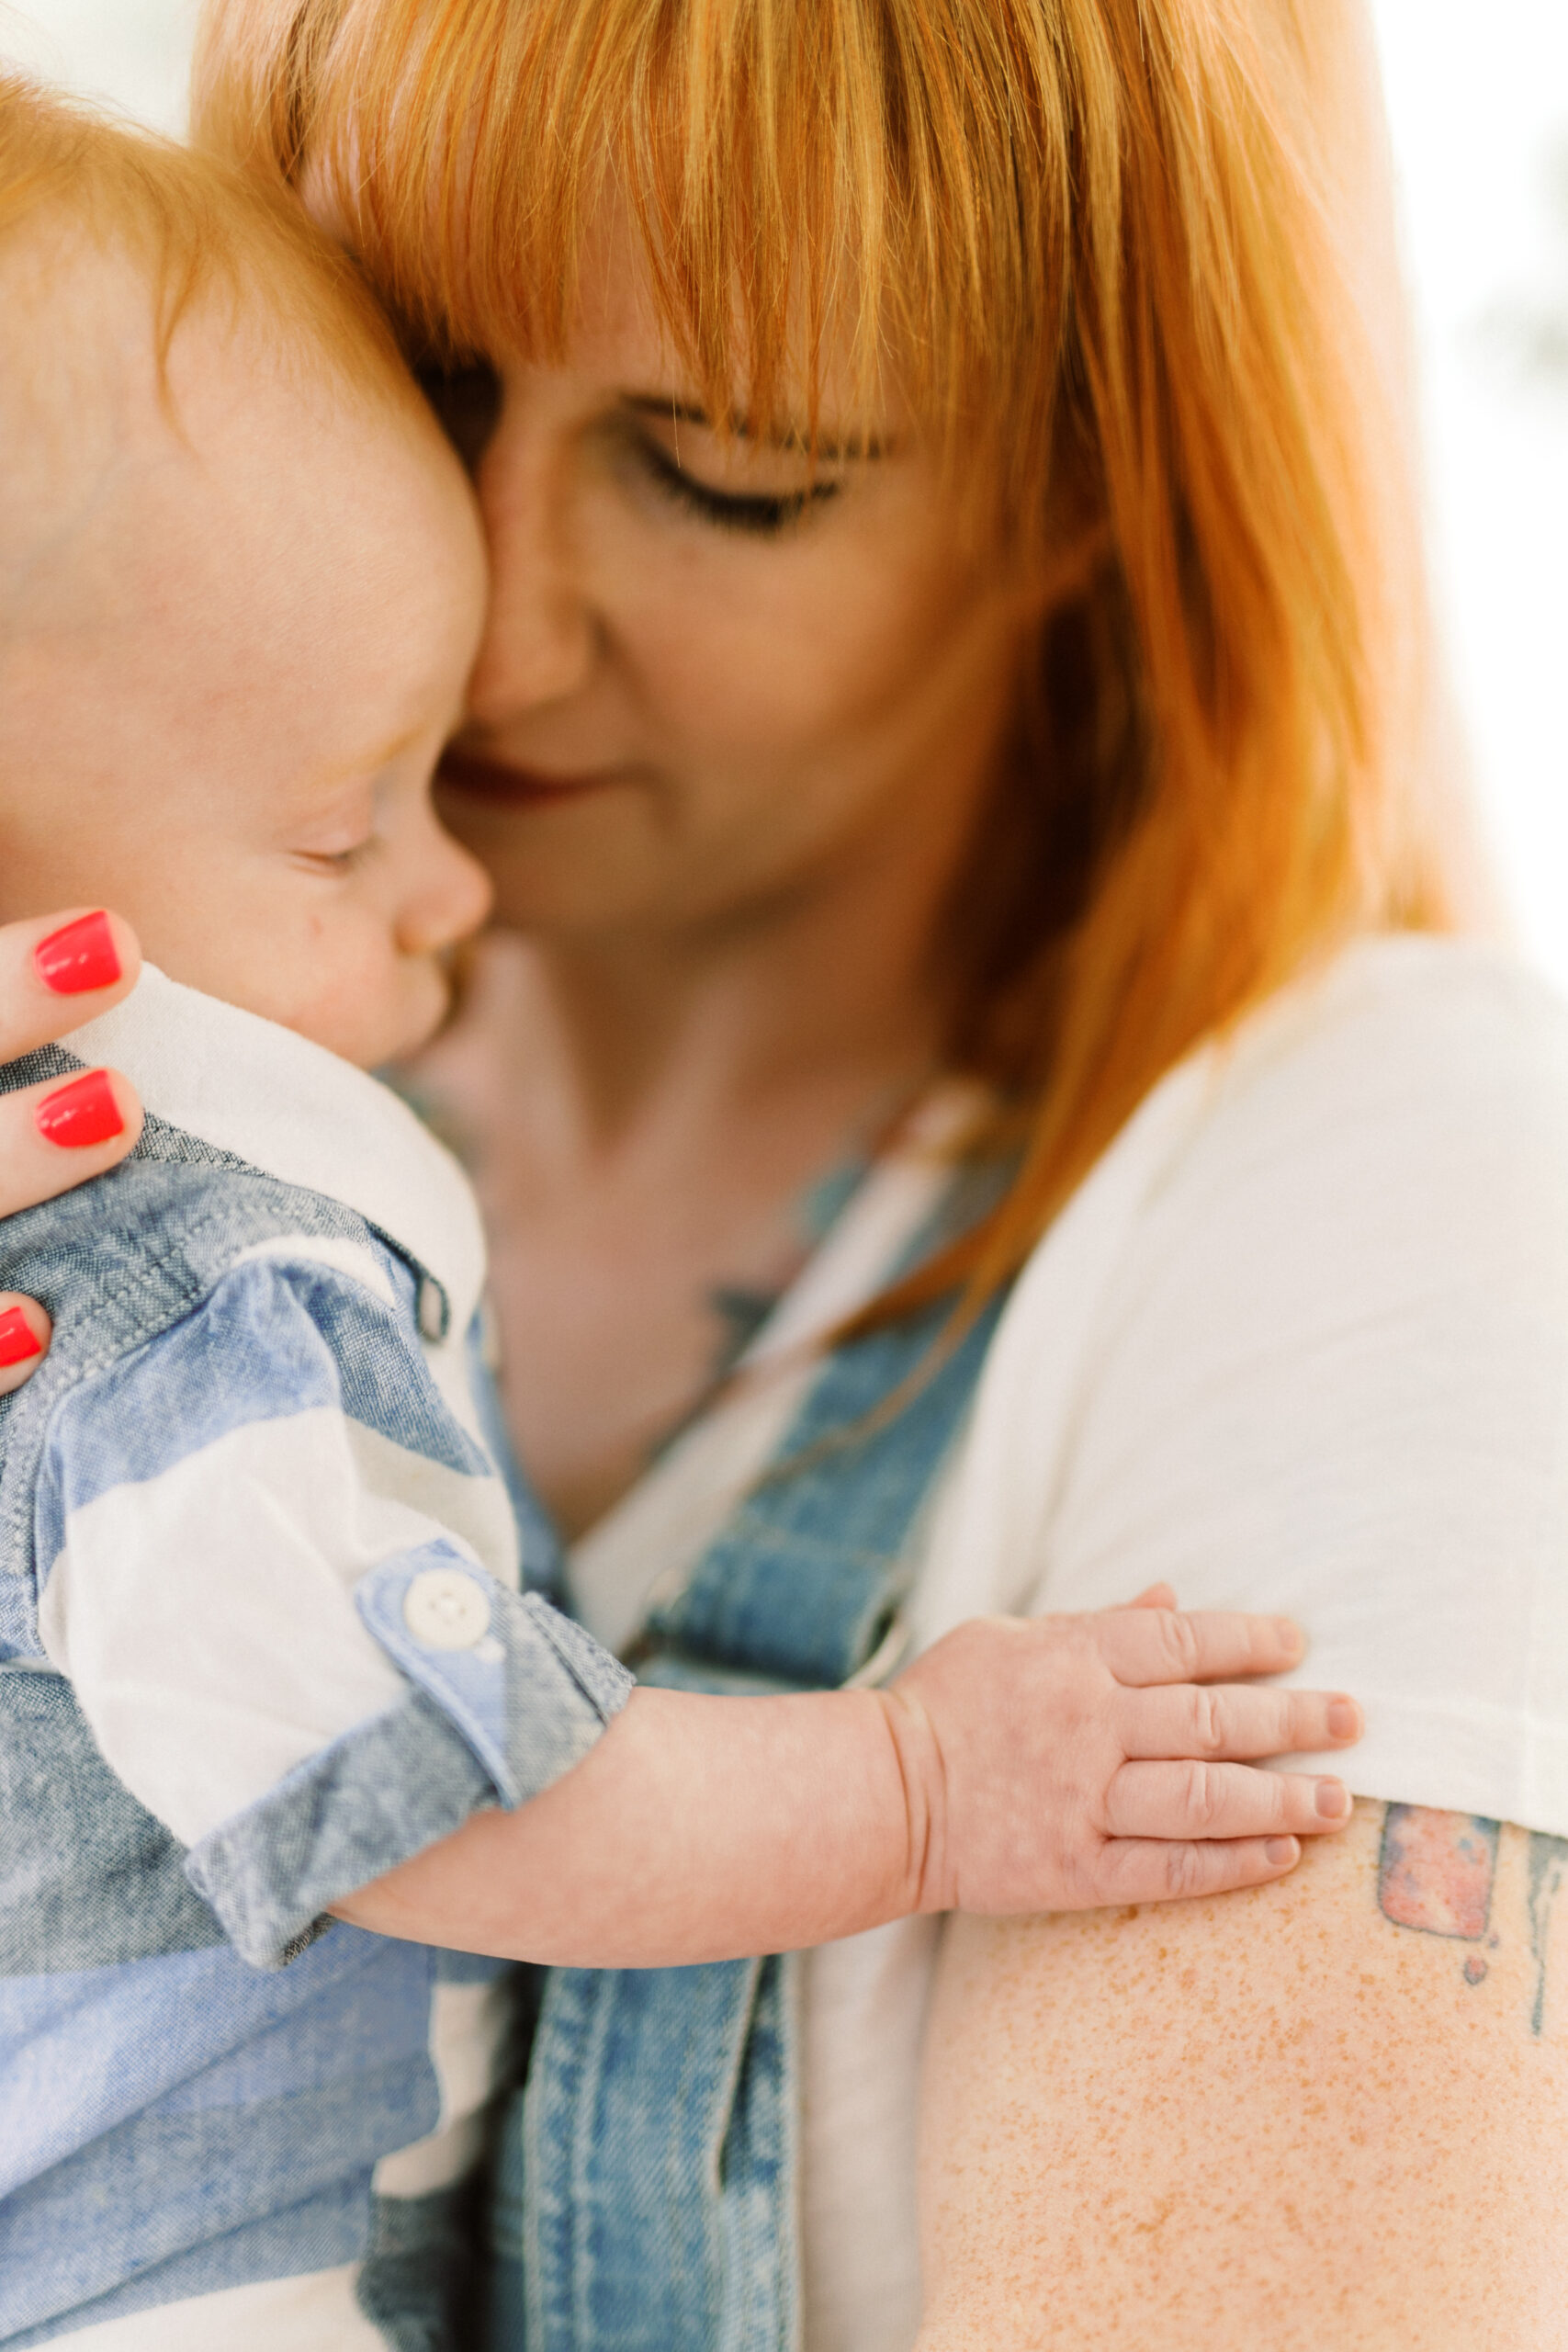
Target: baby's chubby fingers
{"points": [[1145, 1644], [1233, 1723], [1187, 1802], [1132, 1870]]}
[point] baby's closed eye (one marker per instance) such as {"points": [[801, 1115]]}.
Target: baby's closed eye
{"points": [[336, 838]]}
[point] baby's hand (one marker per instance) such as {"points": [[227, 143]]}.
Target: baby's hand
{"points": [[1059, 1763]]}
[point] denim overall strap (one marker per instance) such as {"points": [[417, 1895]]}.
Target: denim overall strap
{"points": [[657, 2199]]}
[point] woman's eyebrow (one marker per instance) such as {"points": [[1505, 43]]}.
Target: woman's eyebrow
{"points": [[669, 410]]}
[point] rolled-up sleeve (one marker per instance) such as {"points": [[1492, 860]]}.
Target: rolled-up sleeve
{"points": [[263, 1561]]}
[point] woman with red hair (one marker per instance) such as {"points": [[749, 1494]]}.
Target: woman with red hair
{"points": [[979, 1106]]}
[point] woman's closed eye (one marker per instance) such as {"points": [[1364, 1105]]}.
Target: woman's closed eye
{"points": [[763, 514]]}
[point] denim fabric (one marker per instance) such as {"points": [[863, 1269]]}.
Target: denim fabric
{"points": [[178, 2121], [647, 2190]]}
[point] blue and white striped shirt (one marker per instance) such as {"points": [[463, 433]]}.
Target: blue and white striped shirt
{"points": [[262, 1637]]}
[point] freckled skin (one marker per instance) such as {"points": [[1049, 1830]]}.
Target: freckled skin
{"points": [[1263, 2123]]}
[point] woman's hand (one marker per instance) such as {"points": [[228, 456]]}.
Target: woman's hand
{"points": [[1067, 1763], [55, 975]]}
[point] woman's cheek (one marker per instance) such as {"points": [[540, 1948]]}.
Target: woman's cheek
{"points": [[751, 657]]}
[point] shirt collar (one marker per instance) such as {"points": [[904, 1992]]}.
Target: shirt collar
{"points": [[297, 1112]]}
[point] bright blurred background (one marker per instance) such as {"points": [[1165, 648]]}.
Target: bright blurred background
{"points": [[1478, 100]]}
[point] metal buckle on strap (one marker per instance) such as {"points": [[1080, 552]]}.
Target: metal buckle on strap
{"points": [[885, 1658]]}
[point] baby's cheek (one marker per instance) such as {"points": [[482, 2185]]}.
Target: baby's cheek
{"points": [[342, 986], [426, 996]]}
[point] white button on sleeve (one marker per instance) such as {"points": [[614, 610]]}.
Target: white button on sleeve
{"points": [[447, 1610]]}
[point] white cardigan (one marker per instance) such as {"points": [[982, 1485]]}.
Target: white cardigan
{"points": [[1299, 1343]]}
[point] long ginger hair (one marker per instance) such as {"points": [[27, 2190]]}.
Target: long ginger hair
{"points": [[1105, 243]]}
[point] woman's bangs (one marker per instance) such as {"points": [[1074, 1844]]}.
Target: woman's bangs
{"points": [[818, 190]]}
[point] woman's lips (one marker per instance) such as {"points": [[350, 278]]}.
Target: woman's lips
{"points": [[494, 780]]}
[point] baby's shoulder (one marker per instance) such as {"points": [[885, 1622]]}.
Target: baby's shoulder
{"points": [[147, 1241], [185, 1285]]}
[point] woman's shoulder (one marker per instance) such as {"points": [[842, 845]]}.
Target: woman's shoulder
{"points": [[1398, 1116], [1313, 1303], [1409, 1065], [1404, 1105], [1384, 1141], [1402, 1024]]}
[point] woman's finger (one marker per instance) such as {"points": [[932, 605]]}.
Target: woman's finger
{"points": [[1208, 1801], [60, 971], [1134, 1869], [1143, 1647], [24, 1339], [58, 1134], [1235, 1723], [1157, 1596]]}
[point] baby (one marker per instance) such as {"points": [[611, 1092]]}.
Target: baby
{"points": [[269, 1659]]}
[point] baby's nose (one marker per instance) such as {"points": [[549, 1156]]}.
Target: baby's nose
{"points": [[452, 900]]}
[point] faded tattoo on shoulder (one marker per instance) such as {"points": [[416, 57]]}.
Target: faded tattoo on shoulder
{"points": [[1547, 1856], [1435, 1871], [1437, 1875]]}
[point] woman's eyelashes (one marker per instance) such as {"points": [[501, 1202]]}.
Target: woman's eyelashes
{"points": [[763, 514]]}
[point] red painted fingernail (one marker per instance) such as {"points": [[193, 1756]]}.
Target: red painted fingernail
{"points": [[79, 956], [19, 1340], [81, 1114]]}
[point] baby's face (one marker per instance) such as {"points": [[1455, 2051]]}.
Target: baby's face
{"points": [[235, 643]]}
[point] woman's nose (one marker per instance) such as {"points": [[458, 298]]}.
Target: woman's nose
{"points": [[540, 634]]}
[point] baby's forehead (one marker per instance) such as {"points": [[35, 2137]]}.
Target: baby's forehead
{"points": [[113, 418], [79, 391], [237, 547]]}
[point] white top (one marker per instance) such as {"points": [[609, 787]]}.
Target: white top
{"points": [[1300, 1344]]}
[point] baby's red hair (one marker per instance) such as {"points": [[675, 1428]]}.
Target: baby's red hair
{"points": [[198, 228]]}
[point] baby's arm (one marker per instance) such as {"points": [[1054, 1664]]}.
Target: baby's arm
{"points": [[261, 1566], [1018, 1767], [264, 1545]]}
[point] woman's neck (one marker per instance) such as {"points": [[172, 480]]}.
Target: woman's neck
{"points": [[649, 1122], [828, 989]]}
